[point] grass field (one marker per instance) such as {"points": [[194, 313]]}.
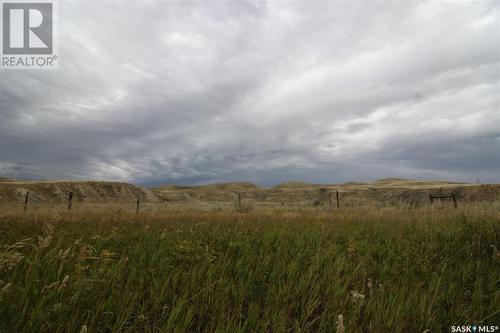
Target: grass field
{"points": [[363, 270]]}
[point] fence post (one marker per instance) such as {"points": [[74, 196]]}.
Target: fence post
{"points": [[138, 203], [70, 200], [26, 201], [239, 201], [338, 201], [330, 199], [431, 199], [454, 198]]}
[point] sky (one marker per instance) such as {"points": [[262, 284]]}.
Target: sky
{"points": [[176, 92]]}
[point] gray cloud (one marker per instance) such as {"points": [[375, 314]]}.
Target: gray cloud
{"points": [[192, 92]]}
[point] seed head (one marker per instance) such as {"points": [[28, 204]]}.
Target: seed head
{"points": [[340, 324], [357, 296]]}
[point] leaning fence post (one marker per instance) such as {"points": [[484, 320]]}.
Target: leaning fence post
{"points": [[26, 201], [70, 200], [338, 202], [454, 198], [138, 203]]}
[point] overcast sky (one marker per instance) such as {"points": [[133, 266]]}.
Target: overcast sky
{"points": [[157, 92]]}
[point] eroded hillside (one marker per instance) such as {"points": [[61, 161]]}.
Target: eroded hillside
{"points": [[86, 191], [384, 192]]}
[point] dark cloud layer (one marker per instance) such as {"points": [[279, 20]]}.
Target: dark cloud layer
{"points": [[194, 92]]}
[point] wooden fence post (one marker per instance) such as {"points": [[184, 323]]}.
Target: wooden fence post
{"points": [[26, 201], [454, 198], [138, 203], [431, 199], [70, 200], [338, 201], [330, 199], [239, 202]]}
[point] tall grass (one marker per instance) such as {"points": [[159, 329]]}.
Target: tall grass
{"points": [[365, 270]]}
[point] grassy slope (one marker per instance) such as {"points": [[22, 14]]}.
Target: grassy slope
{"points": [[265, 271]]}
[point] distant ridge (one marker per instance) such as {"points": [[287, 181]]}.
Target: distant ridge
{"points": [[235, 186], [228, 186], [412, 181], [293, 184], [353, 184], [3, 179], [390, 180]]}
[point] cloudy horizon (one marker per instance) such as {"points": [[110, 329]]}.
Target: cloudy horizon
{"points": [[156, 92]]}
